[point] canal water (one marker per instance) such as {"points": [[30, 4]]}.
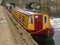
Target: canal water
{"points": [[57, 36], [55, 40]]}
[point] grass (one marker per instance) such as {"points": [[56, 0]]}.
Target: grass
{"points": [[21, 33], [13, 23]]}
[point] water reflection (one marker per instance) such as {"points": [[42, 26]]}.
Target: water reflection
{"points": [[51, 42]]}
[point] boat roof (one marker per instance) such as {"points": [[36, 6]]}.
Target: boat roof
{"points": [[25, 11]]}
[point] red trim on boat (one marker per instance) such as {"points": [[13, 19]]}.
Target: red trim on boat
{"points": [[45, 31]]}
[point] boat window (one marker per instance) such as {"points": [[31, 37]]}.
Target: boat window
{"points": [[23, 18], [45, 20], [30, 20], [19, 16]]}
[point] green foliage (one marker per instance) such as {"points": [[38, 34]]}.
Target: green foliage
{"points": [[44, 7]]}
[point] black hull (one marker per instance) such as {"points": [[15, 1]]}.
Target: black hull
{"points": [[42, 38]]}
